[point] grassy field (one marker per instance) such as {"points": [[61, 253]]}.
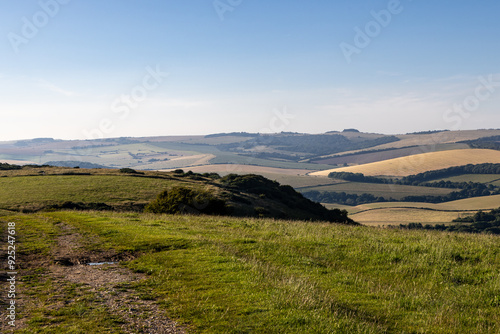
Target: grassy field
{"points": [[480, 178], [227, 275], [420, 163], [21, 188], [41, 190], [384, 190]]}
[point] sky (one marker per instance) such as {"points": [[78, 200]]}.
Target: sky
{"points": [[87, 69]]}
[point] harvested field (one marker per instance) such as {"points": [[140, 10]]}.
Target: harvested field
{"points": [[420, 163]]}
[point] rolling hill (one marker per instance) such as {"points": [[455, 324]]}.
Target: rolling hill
{"points": [[296, 159], [281, 150], [32, 189], [420, 163]]}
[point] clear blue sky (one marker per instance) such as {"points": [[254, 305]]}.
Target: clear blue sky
{"points": [[81, 68]]}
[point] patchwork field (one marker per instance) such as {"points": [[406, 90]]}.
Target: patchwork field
{"points": [[362, 157], [285, 150], [421, 163]]}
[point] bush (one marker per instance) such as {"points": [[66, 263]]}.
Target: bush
{"points": [[130, 171], [6, 166], [185, 200]]}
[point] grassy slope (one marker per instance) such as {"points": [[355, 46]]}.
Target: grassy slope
{"points": [[227, 275], [100, 188], [36, 191], [421, 163], [33, 189]]}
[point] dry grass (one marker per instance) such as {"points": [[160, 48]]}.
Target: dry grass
{"points": [[395, 213], [468, 204], [396, 216], [420, 163]]}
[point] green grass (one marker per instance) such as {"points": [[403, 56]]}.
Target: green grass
{"points": [[228, 275], [380, 190], [27, 191]]}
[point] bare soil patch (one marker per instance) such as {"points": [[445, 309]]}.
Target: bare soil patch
{"points": [[110, 284]]}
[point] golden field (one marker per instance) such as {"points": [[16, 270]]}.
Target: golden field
{"points": [[420, 163], [395, 213]]}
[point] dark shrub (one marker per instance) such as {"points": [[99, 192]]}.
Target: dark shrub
{"points": [[186, 200], [130, 171]]}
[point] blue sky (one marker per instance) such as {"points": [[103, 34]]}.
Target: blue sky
{"points": [[83, 68]]}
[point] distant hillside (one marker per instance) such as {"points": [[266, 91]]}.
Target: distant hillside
{"points": [[302, 145], [32, 189], [421, 163], [80, 164], [286, 150], [492, 143], [281, 150]]}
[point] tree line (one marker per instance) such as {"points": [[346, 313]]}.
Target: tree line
{"points": [[464, 189], [421, 178], [480, 222]]}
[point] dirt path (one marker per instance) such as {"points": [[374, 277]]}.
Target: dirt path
{"points": [[109, 283]]}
